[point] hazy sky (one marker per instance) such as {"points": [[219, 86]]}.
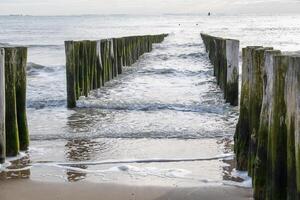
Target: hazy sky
{"points": [[71, 7]]}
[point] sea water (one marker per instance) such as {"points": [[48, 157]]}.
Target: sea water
{"points": [[163, 122]]}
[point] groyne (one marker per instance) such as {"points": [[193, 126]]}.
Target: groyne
{"points": [[14, 134], [267, 138], [90, 64], [224, 55]]}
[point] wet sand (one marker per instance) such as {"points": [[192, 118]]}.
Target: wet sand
{"points": [[32, 190]]}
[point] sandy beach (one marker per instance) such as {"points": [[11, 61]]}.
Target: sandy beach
{"points": [[26, 189]]}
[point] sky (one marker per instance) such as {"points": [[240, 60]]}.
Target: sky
{"points": [[78, 7]]}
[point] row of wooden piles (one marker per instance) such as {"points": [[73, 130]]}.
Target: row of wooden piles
{"points": [[13, 121], [90, 64], [267, 138], [224, 55]]}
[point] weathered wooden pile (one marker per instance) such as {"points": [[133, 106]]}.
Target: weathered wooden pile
{"points": [[224, 55], [13, 121], [267, 138], [89, 64]]}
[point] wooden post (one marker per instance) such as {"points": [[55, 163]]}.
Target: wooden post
{"points": [[277, 150], [11, 127], [261, 176], [232, 82], [21, 61], [242, 134], [255, 100], [291, 96], [99, 65], [2, 107], [70, 71], [297, 125]]}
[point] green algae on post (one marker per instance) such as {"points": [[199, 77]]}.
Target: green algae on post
{"points": [[297, 128], [242, 133], [11, 123], [2, 107], [261, 163], [21, 59], [70, 70], [292, 119], [277, 151], [255, 102]]}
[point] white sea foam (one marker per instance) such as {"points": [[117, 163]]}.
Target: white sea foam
{"points": [[8, 160], [247, 181], [4, 166], [151, 160], [129, 169], [18, 157]]}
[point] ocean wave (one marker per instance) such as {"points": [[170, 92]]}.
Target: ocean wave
{"points": [[175, 72], [5, 45], [151, 160], [48, 46], [197, 108], [40, 104], [32, 46], [135, 135], [193, 55], [196, 56], [36, 69]]}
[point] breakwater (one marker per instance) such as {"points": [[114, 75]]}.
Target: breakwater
{"points": [[90, 64], [267, 138], [13, 120], [224, 55]]}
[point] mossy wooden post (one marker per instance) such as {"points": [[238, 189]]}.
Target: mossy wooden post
{"points": [[256, 96], [21, 61], [291, 100], [297, 125], [242, 134], [119, 47], [99, 65], [104, 61], [261, 163], [232, 82], [277, 149], [94, 64], [11, 123], [78, 75], [86, 68], [2, 107], [111, 59], [70, 71], [116, 58], [220, 62], [81, 67]]}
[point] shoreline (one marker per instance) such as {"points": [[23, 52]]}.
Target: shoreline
{"points": [[31, 190]]}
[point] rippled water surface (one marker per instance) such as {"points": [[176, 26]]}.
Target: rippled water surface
{"points": [[163, 121]]}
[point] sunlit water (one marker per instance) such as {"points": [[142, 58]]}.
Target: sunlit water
{"points": [[164, 121]]}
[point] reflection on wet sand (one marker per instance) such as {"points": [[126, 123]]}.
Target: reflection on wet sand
{"points": [[85, 150], [17, 169], [80, 150]]}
